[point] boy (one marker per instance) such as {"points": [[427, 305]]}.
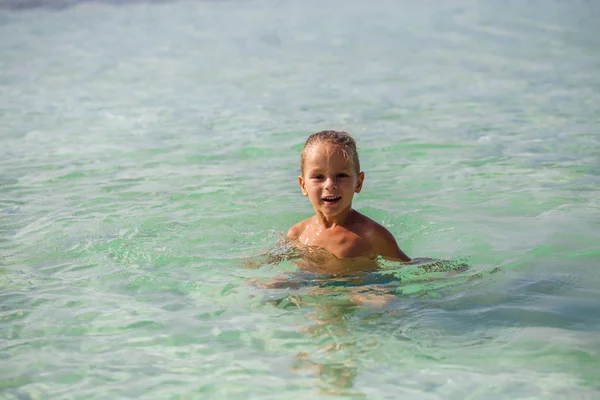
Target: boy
{"points": [[330, 175]]}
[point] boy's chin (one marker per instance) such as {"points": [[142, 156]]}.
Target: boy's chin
{"points": [[334, 209]]}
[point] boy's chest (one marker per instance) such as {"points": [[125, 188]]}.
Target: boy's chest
{"points": [[340, 242]]}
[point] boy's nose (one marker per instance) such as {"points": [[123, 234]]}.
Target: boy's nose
{"points": [[331, 183]]}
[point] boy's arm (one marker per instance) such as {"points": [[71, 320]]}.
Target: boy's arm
{"points": [[296, 230], [285, 250], [387, 247], [292, 233]]}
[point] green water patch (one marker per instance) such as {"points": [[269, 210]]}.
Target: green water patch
{"points": [[432, 278], [291, 134], [14, 382], [250, 152], [424, 146], [199, 159]]}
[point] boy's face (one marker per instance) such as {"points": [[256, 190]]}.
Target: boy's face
{"points": [[329, 179]]}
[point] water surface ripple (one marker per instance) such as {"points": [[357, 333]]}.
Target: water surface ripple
{"points": [[147, 148]]}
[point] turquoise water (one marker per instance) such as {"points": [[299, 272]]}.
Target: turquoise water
{"points": [[148, 149]]}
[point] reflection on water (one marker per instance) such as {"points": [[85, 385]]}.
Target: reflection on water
{"points": [[335, 304], [336, 360], [333, 363]]}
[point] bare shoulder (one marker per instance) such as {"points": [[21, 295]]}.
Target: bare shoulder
{"points": [[295, 231], [381, 239], [372, 229]]}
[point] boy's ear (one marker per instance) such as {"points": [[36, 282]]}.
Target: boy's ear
{"points": [[302, 185], [359, 182]]}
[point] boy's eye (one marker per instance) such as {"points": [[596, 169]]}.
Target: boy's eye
{"points": [[342, 175], [317, 176]]}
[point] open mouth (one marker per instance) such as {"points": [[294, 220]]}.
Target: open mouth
{"points": [[331, 199]]}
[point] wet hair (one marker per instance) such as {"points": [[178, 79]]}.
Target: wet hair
{"points": [[342, 139]]}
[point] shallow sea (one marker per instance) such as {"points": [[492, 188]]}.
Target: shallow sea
{"points": [[148, 148]]}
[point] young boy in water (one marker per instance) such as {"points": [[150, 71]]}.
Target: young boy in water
{"points": [[330, 176]]}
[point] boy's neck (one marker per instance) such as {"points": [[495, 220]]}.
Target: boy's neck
{"points": [[340, 219]]}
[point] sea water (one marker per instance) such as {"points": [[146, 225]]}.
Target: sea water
{"points": [[148, 149]]}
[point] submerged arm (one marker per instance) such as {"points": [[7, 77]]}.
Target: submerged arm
{"points": [[285, 250], [387, 247]]}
